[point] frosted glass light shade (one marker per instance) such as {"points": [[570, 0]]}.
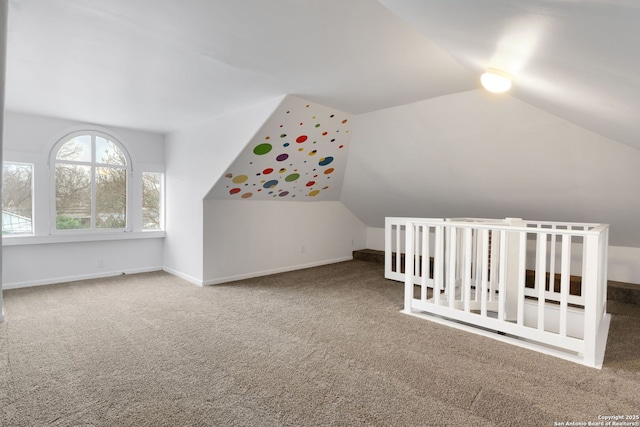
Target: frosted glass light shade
{"points": [[496, 81]]}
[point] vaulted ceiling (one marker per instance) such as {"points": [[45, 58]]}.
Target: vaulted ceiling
{"points": [[160, 65]]}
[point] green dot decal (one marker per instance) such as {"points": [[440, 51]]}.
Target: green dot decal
{"points": [[262, 149], [292, 177]]}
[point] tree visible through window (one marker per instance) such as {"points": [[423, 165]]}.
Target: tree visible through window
{"points": [[151, 201], [17, 198], [91, 173]]}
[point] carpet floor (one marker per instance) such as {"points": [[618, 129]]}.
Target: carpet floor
{"points": [[321, 346]]}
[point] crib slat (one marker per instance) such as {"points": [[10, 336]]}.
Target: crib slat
{"points": [[541, 273], [451, 268], [565, 276], [502, 273], [522, 258], [466, 275], [424, 271], [438, 265], [398, 254], [485, 272]]}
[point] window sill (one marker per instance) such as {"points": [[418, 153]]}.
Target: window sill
{"points": [[84, 237]]}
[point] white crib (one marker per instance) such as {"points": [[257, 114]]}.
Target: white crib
{"points": [[536, 284]]}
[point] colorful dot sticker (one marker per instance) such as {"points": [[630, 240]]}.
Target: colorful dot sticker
{"points": [[240, 179], [325, 161], [262, 149], [287, 167]]}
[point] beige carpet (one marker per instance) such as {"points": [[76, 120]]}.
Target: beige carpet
{"points": [[323, 346]]}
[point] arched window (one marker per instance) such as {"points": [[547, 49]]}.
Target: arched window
{"points": [[90, 183]]}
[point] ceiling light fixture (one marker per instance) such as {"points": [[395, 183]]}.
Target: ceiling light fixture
{"points": [[496, 81]]}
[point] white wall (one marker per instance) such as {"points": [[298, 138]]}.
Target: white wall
{"points": [[42, 264], [41, 259], [623, 261], [245, 238], [475, 155], [196, 158]]}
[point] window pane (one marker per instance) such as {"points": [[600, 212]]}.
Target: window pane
{"points": [[108, 153], [17, 198], [151, 201], [77, 149], [111, 197], [73, 196]]}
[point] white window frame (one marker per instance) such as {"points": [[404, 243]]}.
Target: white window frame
{"points": [[162, 208], [33, 216], [93, 165]]}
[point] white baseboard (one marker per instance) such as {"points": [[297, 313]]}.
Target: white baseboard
{"points": [[64, 279], [234, 278], [184, 276]]}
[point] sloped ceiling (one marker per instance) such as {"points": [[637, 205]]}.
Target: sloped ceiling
{"points": [[300, 154], [396, 65], [162, 65], [574, 59]]}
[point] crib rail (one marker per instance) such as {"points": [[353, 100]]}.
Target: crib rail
{"points": [[542, 282]]}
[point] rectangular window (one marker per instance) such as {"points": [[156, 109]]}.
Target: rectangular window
{"points": [[152, 200], [17, 198]]}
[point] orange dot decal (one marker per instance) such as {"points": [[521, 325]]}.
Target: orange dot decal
{"points": [[246, 195], [328, 171]]}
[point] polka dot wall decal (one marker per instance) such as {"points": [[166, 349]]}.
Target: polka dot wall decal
{"points": [[292, 177], [342, 146], [325, 161], [240, 179], [300, 149], [318, 125], [286, 144], [229, 175], [301, 139], [262, 149], [344, 121], [301, 123], [333, 140], [325, 187], [314, 193], [270, 184], [324, 133], [313, 153], [246, 195], [311, 183], [283, 170], [328, 171], [284, 193], [282, 157], [234, 190], [267, 171], [267, 137], [283, 135]]}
